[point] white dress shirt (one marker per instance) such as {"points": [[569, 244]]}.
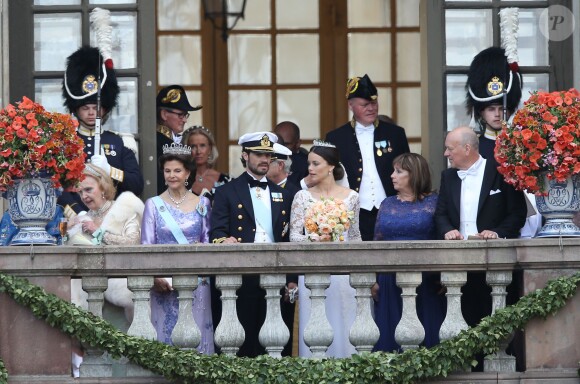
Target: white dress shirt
{"points": [[371, 191], [469, 200]]}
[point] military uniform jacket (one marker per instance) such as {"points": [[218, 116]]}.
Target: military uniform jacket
{"points": [[346, 141], [233, 213], [125, 170]]}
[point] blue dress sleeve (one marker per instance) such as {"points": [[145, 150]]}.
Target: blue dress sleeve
{"points": [[206, 221]]}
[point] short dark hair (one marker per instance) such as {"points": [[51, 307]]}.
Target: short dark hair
{"points": [[419, 173], [332, 157]]}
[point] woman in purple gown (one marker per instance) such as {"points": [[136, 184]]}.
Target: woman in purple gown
{"points": [[408, 216], [177, 216]]}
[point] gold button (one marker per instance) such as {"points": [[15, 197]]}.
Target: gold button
{"points": [[254, 230], [357, 189], [358, 179], [239, 239], [240, 229], [360, 160], [240, 217], [283, 212], [360, 169], [240, 205]]}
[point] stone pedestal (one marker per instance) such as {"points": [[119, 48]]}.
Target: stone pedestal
{"points": [[18, 352], [556, 339]]}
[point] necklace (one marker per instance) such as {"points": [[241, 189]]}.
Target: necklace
{"points": [[177, 203], [99, 213], [200, 178]]}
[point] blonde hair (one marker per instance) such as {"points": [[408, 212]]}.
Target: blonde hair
{"points": [[199, 130], [103, 180]]}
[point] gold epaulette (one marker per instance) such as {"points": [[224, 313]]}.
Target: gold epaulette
{"points": [[165, 131], [117, 174], [68, 212]]}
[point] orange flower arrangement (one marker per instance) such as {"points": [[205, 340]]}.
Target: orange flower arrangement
{"points": [[35, 141], [543, 137], [327, 220]]}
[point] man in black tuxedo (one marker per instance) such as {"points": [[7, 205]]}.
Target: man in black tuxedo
{"points": [[367, 148], [251, 209], [475, 201]]}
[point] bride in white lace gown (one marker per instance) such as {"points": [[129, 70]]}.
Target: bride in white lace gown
{"points": [[323, 170]]}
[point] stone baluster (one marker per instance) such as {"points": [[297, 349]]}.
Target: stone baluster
{"points": [[500, 361], [141, 325], [318, 333], [186, 333], [274, 334], [95, 362], [409, 332], [364, 332], [454, 321], [229, 334]]}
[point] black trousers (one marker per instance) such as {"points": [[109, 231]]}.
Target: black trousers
{"points": [[367, 220]]}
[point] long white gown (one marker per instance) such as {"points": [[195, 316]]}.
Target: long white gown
{"points": [[340, 296]]}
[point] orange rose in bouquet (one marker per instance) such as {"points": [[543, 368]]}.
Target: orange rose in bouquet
{"points": [[327, 220], [34, 141], [543, 137]]}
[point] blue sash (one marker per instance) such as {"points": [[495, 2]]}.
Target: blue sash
{"points": [[169, 220], [263, 216]]}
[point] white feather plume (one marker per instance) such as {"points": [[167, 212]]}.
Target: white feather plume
{"points": [[101, 23], [509, 24]]}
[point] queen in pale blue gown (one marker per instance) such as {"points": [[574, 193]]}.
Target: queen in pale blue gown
{"points": [[192, 216], [409, 215]]}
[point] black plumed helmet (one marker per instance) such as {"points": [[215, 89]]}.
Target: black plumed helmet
{"points": [[79, 85], [489, 74]]}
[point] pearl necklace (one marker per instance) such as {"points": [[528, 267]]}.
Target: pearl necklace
{"points": [[99, 213], [177, 203]]}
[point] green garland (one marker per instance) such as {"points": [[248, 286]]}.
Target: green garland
{"points": [[190, 366]]}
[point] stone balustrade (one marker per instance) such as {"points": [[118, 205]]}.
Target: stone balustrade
{"points": [[227, 264]]}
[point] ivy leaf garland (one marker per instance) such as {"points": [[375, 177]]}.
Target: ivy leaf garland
{"points": [[189, 366]]}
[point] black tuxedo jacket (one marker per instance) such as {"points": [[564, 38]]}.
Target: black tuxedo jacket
{"points": [[503, 211], [233, 213], [345, 140]]}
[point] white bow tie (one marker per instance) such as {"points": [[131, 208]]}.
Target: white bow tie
{"points": [[464, 173], [360, 129]]}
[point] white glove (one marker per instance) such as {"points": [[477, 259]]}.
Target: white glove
{"points": [[101, 162]]}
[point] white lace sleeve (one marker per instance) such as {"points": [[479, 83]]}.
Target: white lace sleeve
{"points": [[299, 206], [353, 204]]}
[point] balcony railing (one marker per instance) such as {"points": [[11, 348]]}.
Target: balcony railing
{"points": [[33, 352]]}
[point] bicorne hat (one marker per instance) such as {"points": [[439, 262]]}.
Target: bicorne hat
{"points": [[84, 68], [361, 87], [174, 97]]}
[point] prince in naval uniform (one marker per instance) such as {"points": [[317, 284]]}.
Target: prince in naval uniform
{"points": [[251, 209], [172, 113], [367, 149], [79, 90]]}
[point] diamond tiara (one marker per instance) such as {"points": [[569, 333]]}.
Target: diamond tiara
{"points": [[176, 149], [322, 143]]}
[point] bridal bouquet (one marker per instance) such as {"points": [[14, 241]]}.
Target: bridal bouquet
{"points": [[543, 137], [327, 220]]}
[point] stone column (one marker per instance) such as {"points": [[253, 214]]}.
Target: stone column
{"points": [[364, 332], [454, 321], [409, 332], [229, 334], [318, 333], [500, 361], [141, 325], [274, 334], [186, 333], [95, 362]]}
